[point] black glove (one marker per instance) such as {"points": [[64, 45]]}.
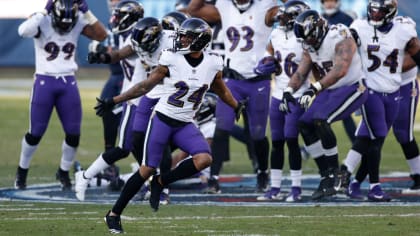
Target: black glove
{"points": [[307, 97], [240, 108], [99, 57], [103, 106], [287, 98]]}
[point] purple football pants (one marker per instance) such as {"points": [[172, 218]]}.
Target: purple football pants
{"points": [[60, 92]]}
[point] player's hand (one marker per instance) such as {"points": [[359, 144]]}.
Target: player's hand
{"points": [[306, 100], [240, 108], [98, 57], [287, 98], [49, 6], [266, 66], [103, 106], [83, 6]]}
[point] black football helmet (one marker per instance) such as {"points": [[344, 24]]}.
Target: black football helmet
{"points": [[310, 28], [173, 20], [242, 5], [64, 15], [289, 11], [207, 109], [146, 34], [125, 16], [381, 12], [194, 35]]}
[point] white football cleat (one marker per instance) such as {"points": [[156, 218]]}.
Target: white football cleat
{"points": [[81, 185]]}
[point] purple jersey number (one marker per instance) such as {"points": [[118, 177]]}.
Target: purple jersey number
{"points": [[391, 60], [53, 49], [290, 66], [234, 37], [182, 90]]}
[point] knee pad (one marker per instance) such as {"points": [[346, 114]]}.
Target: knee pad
{"points": [[325, 133], [32, 140], [308, 133], [410, 149], [72, 140], [114, 155]]}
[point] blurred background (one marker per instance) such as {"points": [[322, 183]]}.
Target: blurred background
{"points": [[19, 52]]}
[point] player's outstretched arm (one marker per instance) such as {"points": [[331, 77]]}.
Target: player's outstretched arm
{"points": [[220, 88], [95, 30]]}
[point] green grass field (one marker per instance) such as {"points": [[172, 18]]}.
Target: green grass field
{"points": [[27, 218]]}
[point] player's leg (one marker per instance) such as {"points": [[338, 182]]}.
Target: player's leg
{"points": [[257, 110], [111, 156], [40, 109], [69, 110], [403, 130], [291, 133], [225, 119], [111, 120], [156, 140], [277, 125]]}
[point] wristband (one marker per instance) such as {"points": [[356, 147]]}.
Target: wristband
{"points": [[318, 86], [90, 18], [288, 89]]}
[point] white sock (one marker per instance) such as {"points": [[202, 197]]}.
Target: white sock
{"points": [[315, 149], [68, 155], [26, 154], [97, 166], [352, 160], [275, 178], [296, 176], [414, 165]]}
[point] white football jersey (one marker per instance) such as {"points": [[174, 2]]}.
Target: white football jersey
{"points": [[186, 86], [288, 51], [323, 59], [383, 55], [245, 34], [55, 53], [127, 64], [147, 62]]}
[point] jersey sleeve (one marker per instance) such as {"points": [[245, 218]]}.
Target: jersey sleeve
{"points": [[165, 58], [407, 29], [30, 27]]}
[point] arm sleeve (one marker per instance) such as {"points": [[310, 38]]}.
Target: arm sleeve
{"points": [[30, 27]]}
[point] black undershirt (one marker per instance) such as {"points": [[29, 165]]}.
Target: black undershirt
{"points": [[194, 61]]}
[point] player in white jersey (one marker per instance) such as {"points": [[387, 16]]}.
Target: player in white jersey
{"points": [[338, 91], [145, 38], [382, 41], [56, 32], [284, 53], [245, 37], [187, 72], [404, 133]]}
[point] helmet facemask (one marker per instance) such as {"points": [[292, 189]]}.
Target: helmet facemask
{"points": [[64, 15], [311, 31], [381, 12]]}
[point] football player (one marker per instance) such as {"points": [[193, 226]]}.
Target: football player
{"points": [[282, 57], [246, 34], [383, 40], [187, 72], [338, 91], [56, 32], [123, 19]]}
